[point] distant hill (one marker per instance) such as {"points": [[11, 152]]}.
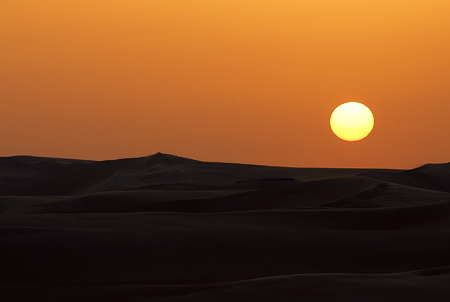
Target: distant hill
{"points": [[39, 176]]}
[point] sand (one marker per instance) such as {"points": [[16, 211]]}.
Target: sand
{"points": [[167, 228]]}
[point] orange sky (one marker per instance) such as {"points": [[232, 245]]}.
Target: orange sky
{"points": [[224, 80]]}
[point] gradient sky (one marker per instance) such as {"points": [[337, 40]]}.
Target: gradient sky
{"points": [[225, 80]]}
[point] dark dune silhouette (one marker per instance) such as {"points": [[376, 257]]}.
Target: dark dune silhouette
{"points": [[167, 228]]}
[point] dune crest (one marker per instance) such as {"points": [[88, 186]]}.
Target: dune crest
{"points": [[168, 228]]}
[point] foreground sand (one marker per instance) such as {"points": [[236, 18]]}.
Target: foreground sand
{"points": [[165, 228]]}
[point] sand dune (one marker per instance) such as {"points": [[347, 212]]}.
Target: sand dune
{"points": [[409, 286], [166, 228]]}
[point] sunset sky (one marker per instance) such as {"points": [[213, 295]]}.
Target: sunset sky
{"points": [[225, 80]]}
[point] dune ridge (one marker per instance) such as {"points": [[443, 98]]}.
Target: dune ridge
{"points": [[168, 228]]}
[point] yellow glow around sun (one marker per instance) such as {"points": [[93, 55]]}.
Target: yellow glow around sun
{"points": [[352, 121]]}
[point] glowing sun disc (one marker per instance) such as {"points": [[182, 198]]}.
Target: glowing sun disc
{"points": [[351, 121]]}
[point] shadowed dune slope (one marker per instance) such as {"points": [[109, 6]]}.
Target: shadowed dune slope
{"points": [[431, 176], [167, 228], [33, 176], [417, 286]]}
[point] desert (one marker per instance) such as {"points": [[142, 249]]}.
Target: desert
{"points": [[168, 228]]}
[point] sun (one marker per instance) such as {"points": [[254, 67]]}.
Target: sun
{"points": [[352, 121]]}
